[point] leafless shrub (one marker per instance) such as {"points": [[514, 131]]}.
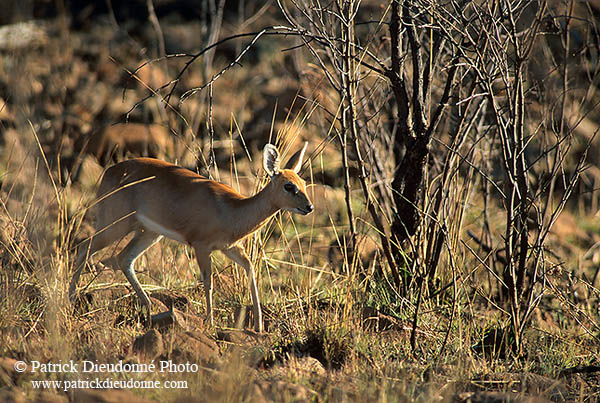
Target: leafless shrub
{"points": [[435, 101], [453, 81]]}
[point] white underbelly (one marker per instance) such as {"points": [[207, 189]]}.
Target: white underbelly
{"points": [[153, 226]]}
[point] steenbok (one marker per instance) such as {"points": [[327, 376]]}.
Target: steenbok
{"points": [[153, 198]]}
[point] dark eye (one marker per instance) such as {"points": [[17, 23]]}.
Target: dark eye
{"points": [[289, 187]]}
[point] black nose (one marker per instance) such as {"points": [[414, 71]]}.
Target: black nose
{"points": [[310, 208]]}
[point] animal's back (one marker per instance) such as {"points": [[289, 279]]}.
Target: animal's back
{"points": [[155, 193]]}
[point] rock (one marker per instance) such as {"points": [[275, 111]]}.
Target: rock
{"points": [[158, 305], [23, 35], [290, 392], [305, 366], [188, 321], [106, 396], [150, 344], [12, 395], [240, 337], [190, 399], [163, 319], [195, 347], [177, 301], [48, 397], [8, 374], [257, 395], [177, 318]]}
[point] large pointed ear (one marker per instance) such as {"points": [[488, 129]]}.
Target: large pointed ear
{"points": [[295, 162], [271, 160]]}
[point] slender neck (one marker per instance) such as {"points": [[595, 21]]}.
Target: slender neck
{"points": [[255, 211]]}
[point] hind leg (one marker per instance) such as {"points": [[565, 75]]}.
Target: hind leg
{"points": [[125, 260], [104, 236], [86, 250]]}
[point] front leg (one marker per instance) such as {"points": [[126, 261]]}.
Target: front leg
{"points": [[238, 255], [204, 264]]}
